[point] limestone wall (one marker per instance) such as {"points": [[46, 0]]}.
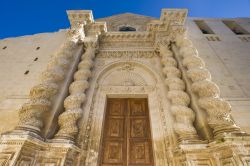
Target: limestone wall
{"points": [[17, 56]]}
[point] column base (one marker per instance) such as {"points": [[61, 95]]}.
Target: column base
{"points": [[189, 139], [23, 149], [27, 130], [233, 151], [61, 141], [223, 131], [64, 138], [21, 134]]}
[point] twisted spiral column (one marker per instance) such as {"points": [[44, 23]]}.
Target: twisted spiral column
{"points": [[68, 120], [31, 113], [184, 116], [219, 118]]}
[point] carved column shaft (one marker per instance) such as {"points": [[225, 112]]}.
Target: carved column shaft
{"points": [[218, 110], [184, 116], [68, 120], [31, 113]]}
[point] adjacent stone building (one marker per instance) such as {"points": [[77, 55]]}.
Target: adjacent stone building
{"points": [[127, 90]]}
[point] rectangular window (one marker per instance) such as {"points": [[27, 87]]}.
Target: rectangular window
{"points": [[235, 28], [203, 27]]}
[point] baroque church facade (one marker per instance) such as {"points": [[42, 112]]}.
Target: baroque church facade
{"points": [[128, 90]]}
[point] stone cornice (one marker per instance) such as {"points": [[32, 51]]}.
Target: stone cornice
{"points": [[169, 17], [170, 24]]}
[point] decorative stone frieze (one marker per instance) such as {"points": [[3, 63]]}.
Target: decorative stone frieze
{"points": [[219, 118], [127, 54], [184, 116], [68, 120], [117, 40]]}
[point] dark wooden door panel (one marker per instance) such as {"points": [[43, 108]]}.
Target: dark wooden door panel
{"points": [[140, 153], [137, 107], [138, 128], [115, 127], [114, 153], [116, 107], [127, 136]]}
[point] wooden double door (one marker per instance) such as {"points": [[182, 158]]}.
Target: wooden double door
{"points": [[127, 136]]}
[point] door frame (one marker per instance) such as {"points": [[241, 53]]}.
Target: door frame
{"points": [[99, 111]]}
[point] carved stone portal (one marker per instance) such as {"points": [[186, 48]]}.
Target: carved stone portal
{"points": [[161, 89]]}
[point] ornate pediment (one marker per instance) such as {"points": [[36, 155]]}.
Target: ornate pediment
{"points": [[139, 22]]}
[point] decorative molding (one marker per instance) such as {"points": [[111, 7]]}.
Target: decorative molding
{"points": [[126, 54], [124, 44], [127, 36], [127, 89]]}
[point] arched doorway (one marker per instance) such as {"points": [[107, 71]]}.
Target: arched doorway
{"points": [[130, 80]]}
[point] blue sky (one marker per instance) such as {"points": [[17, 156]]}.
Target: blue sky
{"points": [[24, 17]]}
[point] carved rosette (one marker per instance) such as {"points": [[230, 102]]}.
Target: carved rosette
{"points": [[30, 115], [219, 118], [68, 120], [184, 116]]}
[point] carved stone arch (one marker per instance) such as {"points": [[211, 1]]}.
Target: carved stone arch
{"points": [[141, 80], [152, 78]]}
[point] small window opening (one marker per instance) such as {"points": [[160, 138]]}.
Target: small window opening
{"points": [[36, 59], [213, 38], [26, 72], [245, 39], [235, 28], [205, 29], [126, 29], [4, 47], [37, 48]]}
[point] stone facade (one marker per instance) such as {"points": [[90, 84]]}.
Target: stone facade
{"points": [[60, 120]]}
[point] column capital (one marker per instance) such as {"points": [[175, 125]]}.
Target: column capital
{"points": [[91, 42], [169, 26], [82, 24]]}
